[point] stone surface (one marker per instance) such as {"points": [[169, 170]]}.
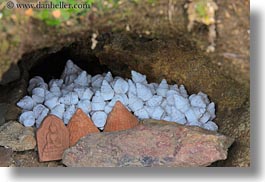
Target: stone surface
{"points": [[153, 143], [120, 119], [52, 139], [5, 156], [19, 138], [79, 126]]}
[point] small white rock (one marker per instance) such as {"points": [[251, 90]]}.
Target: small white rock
{"points": [[108, 77], [58, 110], [40, 112], [82, 79], [85, 105], [143, 92], [26, 103], [181, 103], [52, 102], [138, 77], [27, 118], [162, 88], [210, 126], [98, 103], [106, 91], [97, 81], [170, 97], [99, 118], [57, 82], [205, 117], [156, 100], [141, 114], [70, 68], [211, 109], [177, 116], [197, 101], [69, 99], [205, 97], [69, 112], [135, 103], [183, 91], [191, 116], [132, 88], [36, 81], [120, 86], [158, 113]]}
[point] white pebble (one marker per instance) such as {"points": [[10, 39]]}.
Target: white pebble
{"points": [[156, 100], [120, 86], [205, 117], [55, 89], [143, 92], [177, 116], [52, 102], [27, 118], [106, 91], [210, 126], [57, 82], [141, 114], [82, 79], [36, 81], [132, 88], [197, 101], [158, 113], [135, 103], [108, 77], [181, 103], [138, 77], [174, 87], [211, 109], [98, 103], [97, 81], [108, 108], [69, 112], [120, 97], [205, 97], [99, 118], [70, 68], [58, 110], [40, 112], [191, 116], [85, 105], [26, 103], [69, 99], [170, 97], [162, 88], [183, 91]]}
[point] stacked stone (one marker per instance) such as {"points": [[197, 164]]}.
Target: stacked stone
{"points": [[97, 95]]}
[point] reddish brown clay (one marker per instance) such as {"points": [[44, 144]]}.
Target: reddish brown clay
{"points": [[80, 125], [52, 139], [120, 119]]}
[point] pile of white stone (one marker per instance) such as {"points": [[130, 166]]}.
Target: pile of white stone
{"points": [[96, 96]]}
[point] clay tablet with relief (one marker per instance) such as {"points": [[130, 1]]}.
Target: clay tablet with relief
{"points": [[80, 125], [120, 119], [52, 139]]}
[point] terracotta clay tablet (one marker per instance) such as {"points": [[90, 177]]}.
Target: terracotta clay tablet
{"points": [[52, 139], [80, 125], [120, 119]]}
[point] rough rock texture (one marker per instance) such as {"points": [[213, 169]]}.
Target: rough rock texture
{"points": [[52, 138], [16, 136], [79, 126], [120, 119], [5, 156], [153, 143]]}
